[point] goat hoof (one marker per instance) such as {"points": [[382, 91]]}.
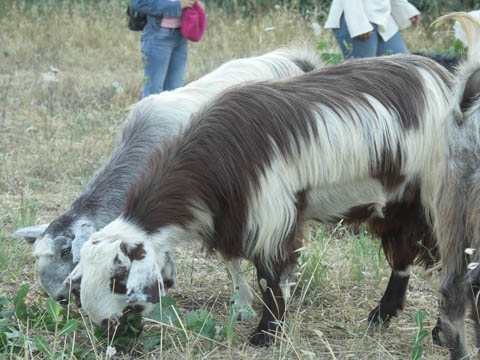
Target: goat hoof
{"points": [[261, 339], [245, 315], [378, 318], [437, 336]]}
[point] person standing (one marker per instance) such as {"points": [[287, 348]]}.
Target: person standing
{"points": [[164, 49], [367, 28]]}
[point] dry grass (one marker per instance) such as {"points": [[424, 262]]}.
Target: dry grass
{"points": [[55, 134]]}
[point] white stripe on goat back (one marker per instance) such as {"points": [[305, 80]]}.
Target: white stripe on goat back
{"points": [[278, 64], [336, 168]]}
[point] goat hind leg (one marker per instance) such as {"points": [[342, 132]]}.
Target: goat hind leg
{"points": [[393, 300], [401, 254]]}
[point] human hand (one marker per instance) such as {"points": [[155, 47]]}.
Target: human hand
{"points": [[415, 20], [365, 36], [187, 3]]}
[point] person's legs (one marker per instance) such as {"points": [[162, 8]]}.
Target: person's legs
{"points": [[366, 48], [394, 45], [178, 63], [156, 52], [343, 38]]}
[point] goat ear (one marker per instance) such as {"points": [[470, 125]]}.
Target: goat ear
{"points": [[471, 92], [169, 271], [82, 231], [75, 276], [30, 233], [120, 267], [145, 282]]}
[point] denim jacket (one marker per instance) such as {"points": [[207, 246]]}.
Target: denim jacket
{"points": [[156, 10]]}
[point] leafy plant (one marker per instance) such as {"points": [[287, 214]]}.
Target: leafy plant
{"points": [[226, 331], [128, 336], [328, 57], [54, 309], [14, 320], [193, 322], [417, 349], [200, 323], [456, 48]]}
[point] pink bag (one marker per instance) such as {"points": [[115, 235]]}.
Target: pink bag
{"points": [[194, 23]]}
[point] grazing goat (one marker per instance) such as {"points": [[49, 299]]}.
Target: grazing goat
{"points": [[357, 141], [57, 247], [458, 200]]}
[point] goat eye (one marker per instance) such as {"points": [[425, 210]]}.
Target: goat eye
{"points": [[66, 252]]}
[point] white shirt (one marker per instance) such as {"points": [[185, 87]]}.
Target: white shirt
{"points": [[388, 15]]}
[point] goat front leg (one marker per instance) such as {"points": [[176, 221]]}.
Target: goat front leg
{"points": [[451, 217], [475, 315], [452, 311], [472, 293], [472, 283], [273, 306], [243, 295], [436, 333]]}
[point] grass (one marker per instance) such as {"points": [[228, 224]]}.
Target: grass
{"points": [[60, 110]]}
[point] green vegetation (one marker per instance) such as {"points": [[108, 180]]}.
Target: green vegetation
{"points": [[417, 348], [51, 329], [20, 326]]}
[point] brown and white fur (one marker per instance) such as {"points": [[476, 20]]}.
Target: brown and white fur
{"points": [[56, 246], [357, 141], [458, 201]]}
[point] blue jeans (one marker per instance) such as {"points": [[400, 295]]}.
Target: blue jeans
{"points": [[374, 46], [164, 56]]}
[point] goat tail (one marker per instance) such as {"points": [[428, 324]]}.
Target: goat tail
{"points": [[305, 57]]}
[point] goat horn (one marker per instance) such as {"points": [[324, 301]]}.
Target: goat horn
{"points": [[470, 25], [469, 251], [473, 265]]}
